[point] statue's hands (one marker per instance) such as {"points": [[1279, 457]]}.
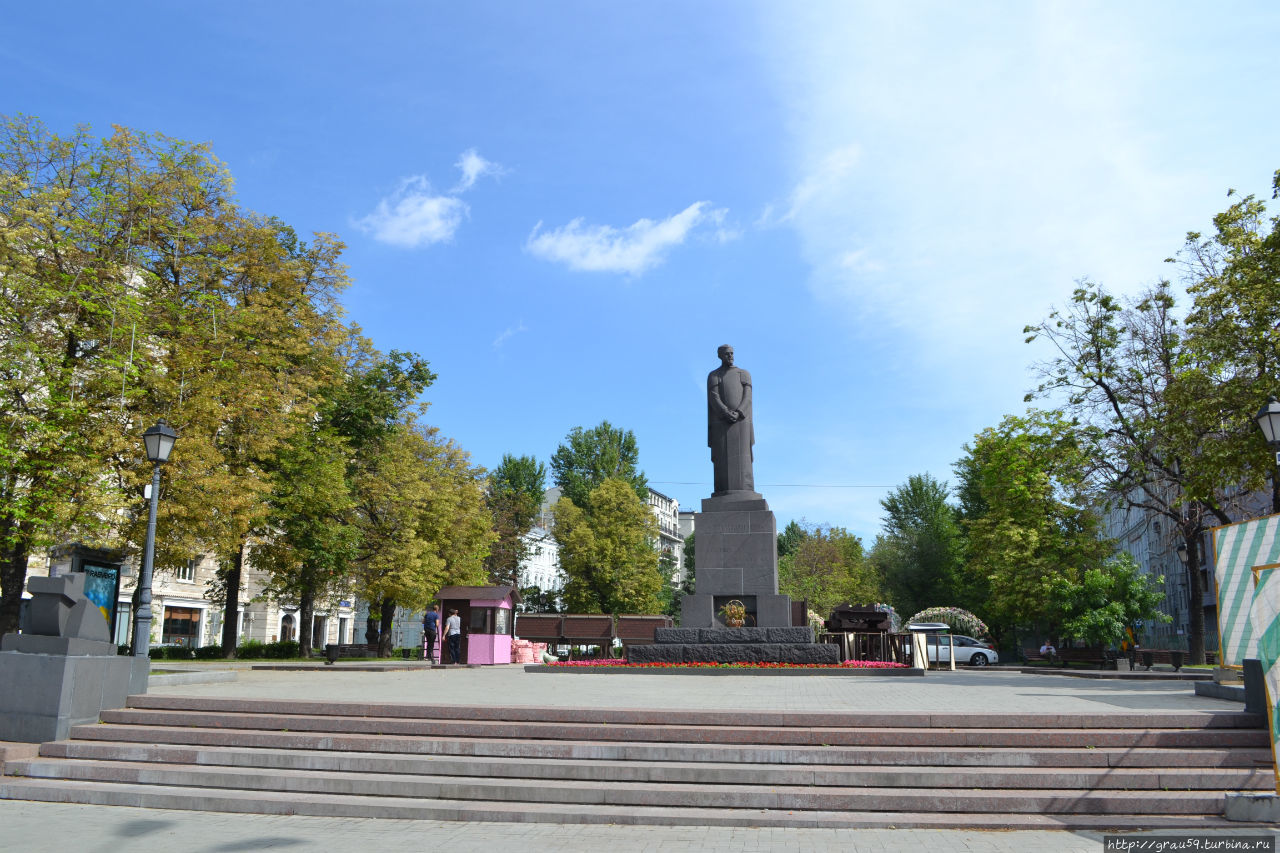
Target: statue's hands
{"points": [[734, 416]]}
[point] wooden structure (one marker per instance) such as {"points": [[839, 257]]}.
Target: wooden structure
{"points": [[589, 629], [486, 620]]}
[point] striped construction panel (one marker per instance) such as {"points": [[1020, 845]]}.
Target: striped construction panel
{"points": [[1238, 550], [1264, 614]]}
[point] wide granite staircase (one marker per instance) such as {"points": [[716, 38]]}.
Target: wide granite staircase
{"points": [[445, 762]]}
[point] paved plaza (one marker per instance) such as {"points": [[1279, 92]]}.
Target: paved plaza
{"points": [[54, 827]]}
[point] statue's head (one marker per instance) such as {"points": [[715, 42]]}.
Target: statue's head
{"points": [[726, 354]]}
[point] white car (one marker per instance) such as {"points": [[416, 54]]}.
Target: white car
{"points": [[967, 650]]}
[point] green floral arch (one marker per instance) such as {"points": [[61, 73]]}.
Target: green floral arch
{"points": [[960, 621]]}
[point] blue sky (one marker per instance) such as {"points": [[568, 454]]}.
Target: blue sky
{"points": [[566, 207]]}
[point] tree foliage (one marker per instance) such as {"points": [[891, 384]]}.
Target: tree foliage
{"points": [[1233, 344], [606, 551], [423, 522], [588, 457], [920, 549], [1038, 524], [1103, 602], [828, 567], [1126, 374], [135, 288], [790, 538], [513, 493]]}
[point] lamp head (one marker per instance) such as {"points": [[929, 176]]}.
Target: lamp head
{"points": [[1268, 419], [158, 441]]}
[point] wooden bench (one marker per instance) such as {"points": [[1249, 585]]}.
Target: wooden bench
{"points": [[1034, 656], [1094, 656], [1164, 656]]}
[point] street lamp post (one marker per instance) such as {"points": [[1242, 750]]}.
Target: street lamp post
{"points": [[158, 442], [1268, 420]]}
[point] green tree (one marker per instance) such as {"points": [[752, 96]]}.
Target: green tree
{"points": [[1105, 601], [919, 551], [67, 304], [606, 551], [1233, 344], [827, 568], [588, 457], [314, 537], [513, 493], [1038, 524], [135, 287], [423, 523], [790, 538], [1124, 375]]}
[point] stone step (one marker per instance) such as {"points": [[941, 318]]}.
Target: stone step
{"points": [[582, 765], [631, 794], [270, 802], [675, 733], [582, 750], [681, 772], [737, 719]]}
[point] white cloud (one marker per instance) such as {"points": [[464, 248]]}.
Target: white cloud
{"points": [[413, 217], [508, 333], [951, 189], [474, 167], [631, 250]]}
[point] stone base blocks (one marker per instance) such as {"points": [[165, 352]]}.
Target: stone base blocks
{"points": [[43, 695], [657, 767], [735, 645]]}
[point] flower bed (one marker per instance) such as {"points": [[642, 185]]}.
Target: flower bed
{"points": [[622, 664]]}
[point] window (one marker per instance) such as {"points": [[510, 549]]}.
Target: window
{"points": [[181, 626], [481, 620], [186, 573]]}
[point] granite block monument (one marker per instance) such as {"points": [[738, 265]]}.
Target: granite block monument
{"points": [[62, 670], [737, 532], [737, 551]]}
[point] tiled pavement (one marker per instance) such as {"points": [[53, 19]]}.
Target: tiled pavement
{"points": [[59, 828]]}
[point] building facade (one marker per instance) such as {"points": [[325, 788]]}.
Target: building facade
{"points": [[182, 616], [670, 540]]}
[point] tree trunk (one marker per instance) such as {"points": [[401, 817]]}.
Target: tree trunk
{"points": [[231, 612], [1195, 589], [306, 618], [384, 636], [13, 578]]}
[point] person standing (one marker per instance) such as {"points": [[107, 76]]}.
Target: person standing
{"points": [[453, 632], [431, 630]]}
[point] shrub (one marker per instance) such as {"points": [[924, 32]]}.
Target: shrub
{"points": [[282, 649], [212, 652]]}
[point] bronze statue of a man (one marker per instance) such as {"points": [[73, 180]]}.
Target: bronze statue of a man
{"points": [[730, 433]]}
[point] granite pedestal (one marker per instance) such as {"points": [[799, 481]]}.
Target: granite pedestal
{"points": [[735, 645], [43, 695], [63, 670], [737, 559]]}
